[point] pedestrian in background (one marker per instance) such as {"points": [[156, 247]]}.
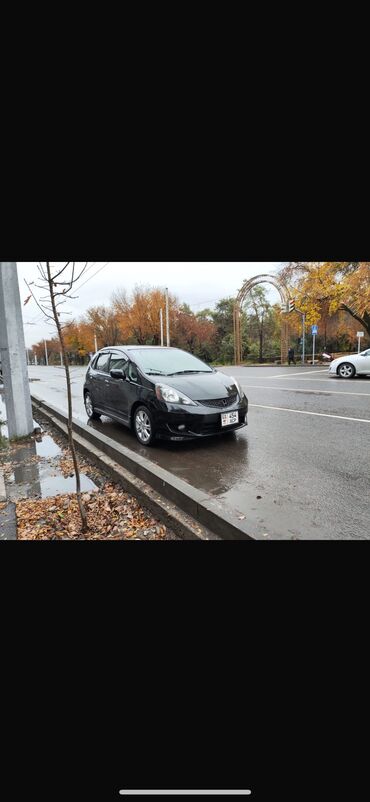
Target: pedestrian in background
{"points": [[291, 357]]}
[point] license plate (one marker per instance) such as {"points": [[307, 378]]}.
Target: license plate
{"points": [[228, 418]]}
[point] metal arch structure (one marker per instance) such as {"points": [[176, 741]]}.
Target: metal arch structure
{"points": [[283, 291]]}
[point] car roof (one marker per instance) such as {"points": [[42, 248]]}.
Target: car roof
{"points": [[140, 348]]}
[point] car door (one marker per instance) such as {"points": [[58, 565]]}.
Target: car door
{"points": [[134, 385], [116, 400], [364, 362], [100, 379]]}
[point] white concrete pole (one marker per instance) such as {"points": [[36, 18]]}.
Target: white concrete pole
{"points": [[96, 343], [161, 321], [13, 354], [167, 319], [46, 354]]}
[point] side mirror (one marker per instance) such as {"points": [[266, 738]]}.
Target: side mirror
{"points": [[118, 374]]}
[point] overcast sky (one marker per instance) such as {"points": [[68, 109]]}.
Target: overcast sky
{"points": [[199, 284]]}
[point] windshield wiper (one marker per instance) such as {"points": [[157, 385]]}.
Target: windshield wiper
{"points": [[156, 373], [183, 372]]}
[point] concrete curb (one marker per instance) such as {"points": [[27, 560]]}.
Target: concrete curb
{"points": [[202, 507]]}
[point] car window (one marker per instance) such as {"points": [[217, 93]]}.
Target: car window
{"points": [[102, 363], [132, 372], [118, 362]]}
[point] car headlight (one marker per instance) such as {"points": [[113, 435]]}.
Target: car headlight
{"points": [[238, 387], [166, 393]]}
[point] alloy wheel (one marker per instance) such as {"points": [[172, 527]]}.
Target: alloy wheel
{"points": [[346, 371], [88, 406], [143, 426]]}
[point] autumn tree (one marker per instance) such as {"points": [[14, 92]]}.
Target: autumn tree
{"points": [[52, 347], [323, 288], [194, 333], [139, 314], [104, 323], [355, 290]]}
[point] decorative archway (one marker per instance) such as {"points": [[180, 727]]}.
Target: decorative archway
{"points": [[242, 294]]}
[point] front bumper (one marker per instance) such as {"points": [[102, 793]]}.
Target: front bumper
{"points": [[192, 423]]}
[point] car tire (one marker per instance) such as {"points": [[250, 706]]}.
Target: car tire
{"points": [[90, 411], [144, 426], [346, 370]]}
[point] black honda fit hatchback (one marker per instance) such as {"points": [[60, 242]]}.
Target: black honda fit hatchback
{"points": [[163, 392]]}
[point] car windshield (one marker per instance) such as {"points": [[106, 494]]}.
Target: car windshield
{"points": [[168, 362]]}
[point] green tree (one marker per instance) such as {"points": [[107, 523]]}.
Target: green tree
{"points": [[260, 319]]}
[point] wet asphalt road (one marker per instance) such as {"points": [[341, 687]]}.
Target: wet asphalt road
{"points": [[301, 469]]}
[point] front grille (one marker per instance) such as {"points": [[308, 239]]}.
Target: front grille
{"points": [[219, 403]]}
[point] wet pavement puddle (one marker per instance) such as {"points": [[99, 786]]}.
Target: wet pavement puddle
{"points": [[32, 468]]}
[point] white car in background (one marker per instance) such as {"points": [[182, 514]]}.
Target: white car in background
{"points": [[346, 367]]}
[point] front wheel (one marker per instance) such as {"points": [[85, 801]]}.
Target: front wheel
{"points": [[91, 414], [346, 371], [144, 427]]}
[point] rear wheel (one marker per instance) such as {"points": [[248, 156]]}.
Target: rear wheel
{"points": [[346, 370], [91, 414], [143, 426]]}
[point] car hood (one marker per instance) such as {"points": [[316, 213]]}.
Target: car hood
{"points": [[199, 386], [340, 359]]}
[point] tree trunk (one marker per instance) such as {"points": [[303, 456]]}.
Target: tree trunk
{"points": [[261, 341], [364, 319], [69, 395]]}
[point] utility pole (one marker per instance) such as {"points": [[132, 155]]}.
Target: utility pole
{"points": [[161, 321], [61, 359], [46, 354], [167, 319], [13, 354], [303, 337], [95, 343]]}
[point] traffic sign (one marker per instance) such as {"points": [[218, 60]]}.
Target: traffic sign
{"points": [[359, 335], [314, 330]]}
